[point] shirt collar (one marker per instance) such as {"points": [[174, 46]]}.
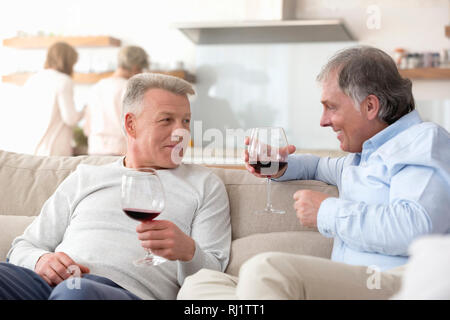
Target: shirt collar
{"points": [[391, 131]]}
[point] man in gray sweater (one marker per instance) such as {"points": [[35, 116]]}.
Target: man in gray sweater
{"points": [[83, 230]]}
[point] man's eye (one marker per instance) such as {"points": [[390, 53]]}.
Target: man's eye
{"points": [[187, 120], [165, 119]]}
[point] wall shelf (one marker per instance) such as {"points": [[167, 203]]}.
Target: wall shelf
{"points": [[46, 41], [89, 78], [426, 73], [43, 42], [80, 78]]}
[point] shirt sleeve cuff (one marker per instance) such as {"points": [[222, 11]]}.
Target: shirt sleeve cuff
{"points": [[326, 217]]}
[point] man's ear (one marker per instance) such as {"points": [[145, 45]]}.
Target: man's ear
{"points": [[372, 106], [130, 124]]}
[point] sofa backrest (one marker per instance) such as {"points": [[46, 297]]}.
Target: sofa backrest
{"points": [[27, 181], [248, 193]]}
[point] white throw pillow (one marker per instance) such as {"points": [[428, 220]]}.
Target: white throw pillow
{"points": [[427, 274]]}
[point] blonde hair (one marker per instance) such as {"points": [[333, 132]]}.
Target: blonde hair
{"points": [[133, 56], [139, 84], [62, 57]]}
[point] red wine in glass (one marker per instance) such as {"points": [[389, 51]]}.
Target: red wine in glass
{"points": [[142, 199], [140, 214], [268, 168], [267, 154]]}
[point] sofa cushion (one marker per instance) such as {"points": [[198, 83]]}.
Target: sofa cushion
{"points": [[303, 242], [10, 228]]}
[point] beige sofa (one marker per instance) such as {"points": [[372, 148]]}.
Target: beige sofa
{"points": [[27, 181]]}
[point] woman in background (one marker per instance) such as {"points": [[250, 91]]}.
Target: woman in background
{"points": [[50, 98], [103, 126]]}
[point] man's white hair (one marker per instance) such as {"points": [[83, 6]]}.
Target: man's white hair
{"points": [[139, 84]]}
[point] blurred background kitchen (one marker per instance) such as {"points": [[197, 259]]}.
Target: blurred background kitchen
{"points": [[252, 62]]}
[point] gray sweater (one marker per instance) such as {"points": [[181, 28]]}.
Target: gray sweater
{"points": [[84, 219]]}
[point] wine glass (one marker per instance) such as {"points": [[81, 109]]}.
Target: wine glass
{"points": [[268, 154], [143, 200]]}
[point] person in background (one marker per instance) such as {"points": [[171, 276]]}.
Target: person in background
{"points": [[49, 96], [102, 119]]}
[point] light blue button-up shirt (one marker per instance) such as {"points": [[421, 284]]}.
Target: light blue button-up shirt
{"points": [[395, 190]]}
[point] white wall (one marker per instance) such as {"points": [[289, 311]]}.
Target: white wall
{"points": [[256, 85], [246, 78]]}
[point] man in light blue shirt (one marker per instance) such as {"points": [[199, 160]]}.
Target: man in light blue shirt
{"points": [[394, 186], [393, 191]]}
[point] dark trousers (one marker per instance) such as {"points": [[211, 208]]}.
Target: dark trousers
{"points": [[17, 283]]}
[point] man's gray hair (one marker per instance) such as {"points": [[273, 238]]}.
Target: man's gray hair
{"points": [[364, 70], [132, 56], [139, 84]]}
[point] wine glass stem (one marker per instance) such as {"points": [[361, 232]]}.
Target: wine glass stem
{"points": [[148, 254], [268, 203]]}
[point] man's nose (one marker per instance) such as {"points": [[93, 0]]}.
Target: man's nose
{"points": [[179, 134], [325, 120]]}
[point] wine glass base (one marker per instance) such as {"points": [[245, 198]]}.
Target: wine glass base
{"points": [[158, 260], [270, 211], [149, 261]]}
